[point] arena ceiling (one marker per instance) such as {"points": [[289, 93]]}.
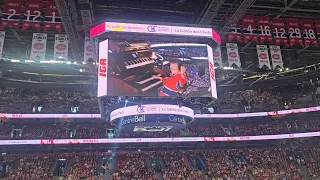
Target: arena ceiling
{"points": [[79, 15]]}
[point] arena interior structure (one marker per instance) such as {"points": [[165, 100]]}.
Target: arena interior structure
{"points": [[149, 89]]}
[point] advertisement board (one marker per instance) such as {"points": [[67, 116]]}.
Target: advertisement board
{"points": [[151, 109], [152, 118], [155, 29], [141, 68]]}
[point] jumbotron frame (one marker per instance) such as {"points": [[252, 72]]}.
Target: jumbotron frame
{"points": [[147, 31]]}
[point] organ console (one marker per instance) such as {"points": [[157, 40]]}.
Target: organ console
{"points": [[131, 67]]}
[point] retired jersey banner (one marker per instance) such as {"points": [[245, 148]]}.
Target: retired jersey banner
{"points": [[264, 29], [52, 16], [235, 33], [2, 35], [309, 34], [263, 57], [11, 14], [276, 57], [249, 28], [294, 31], [279, 32], [32, 14], [39, 45], [217, 58], [318, 29], [88, 53], [60, 47], [233, 55]]}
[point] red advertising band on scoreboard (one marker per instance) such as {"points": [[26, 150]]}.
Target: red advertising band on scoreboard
{"points": [[32, 14], [52, 16], [11, 14]]}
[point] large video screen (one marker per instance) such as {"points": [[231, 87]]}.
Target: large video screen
{"points": [[141, 68]]}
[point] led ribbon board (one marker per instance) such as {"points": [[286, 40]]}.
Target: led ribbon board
{"points": [[152, 117], [159, 140], [155, 29]]}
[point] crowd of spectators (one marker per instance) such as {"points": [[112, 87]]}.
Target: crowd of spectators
{"points": [[29, 167], [272, 164], [132, 166], [237, 164], [220, 166], [313, 159], [84, 166], [267, 100], [41, 166], [177, 167], [20, 101]]}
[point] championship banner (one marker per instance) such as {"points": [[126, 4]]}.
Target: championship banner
{"points": [[60, 47], [235, 33], [2, 35], [53, 19], [249, 28], [308, 32], [294, 31], [233, 55], [279, 32], [263, 56], [39, 44], [88, 54], [32, 14], [276, 57], [217, 59], [264, 29], [11, 14]]}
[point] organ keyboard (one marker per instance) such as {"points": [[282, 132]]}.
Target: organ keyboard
{"points": [[132, 70], [138, 62]]}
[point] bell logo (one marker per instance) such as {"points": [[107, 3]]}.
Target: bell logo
{"points": [[103, 68]]}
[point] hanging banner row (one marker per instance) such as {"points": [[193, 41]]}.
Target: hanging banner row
{"points": [[280, 31], [39, 46], [39, 42], [32, 15], [262, 53]]}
